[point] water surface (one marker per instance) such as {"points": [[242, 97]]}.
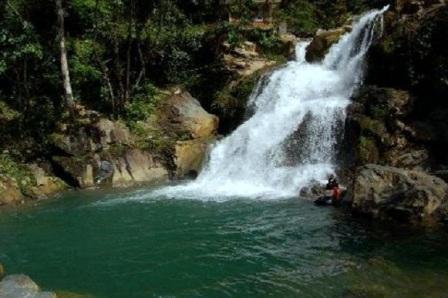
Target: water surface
{"points": [[134, 245]]}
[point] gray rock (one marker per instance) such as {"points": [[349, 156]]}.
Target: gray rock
{"points": [[22, 286], [388, 192]]}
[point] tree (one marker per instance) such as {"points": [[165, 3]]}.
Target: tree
{"points": [[69, 100]]}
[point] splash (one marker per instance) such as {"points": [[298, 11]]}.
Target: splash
{"points": [[291, 138]]}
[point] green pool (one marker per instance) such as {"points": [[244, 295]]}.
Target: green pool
{"points": [[130, 244]]}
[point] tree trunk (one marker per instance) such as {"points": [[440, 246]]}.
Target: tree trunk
{"points": [[69, 101]]}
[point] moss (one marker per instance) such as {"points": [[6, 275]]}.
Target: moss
{"points": [[379, 112], [372, 127], [19, 172], [235, 96], [367, 150], [388, 45]]}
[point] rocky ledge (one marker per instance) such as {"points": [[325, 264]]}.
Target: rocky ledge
{"points": [[93, 151], [395, 135], [407, 195]]}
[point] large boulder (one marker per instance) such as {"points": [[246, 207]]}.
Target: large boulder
{"points": [[137, 166], [322, 42], [195, 129], [46, 185], [190, 117], [22, 286], [388, 192], [9, 191], [189, 157], [100, 152]]}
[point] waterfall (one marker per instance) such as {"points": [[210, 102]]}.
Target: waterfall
{"points": [[298, 114]]}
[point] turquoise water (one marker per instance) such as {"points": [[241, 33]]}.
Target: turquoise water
{"points": [[114, 245]]}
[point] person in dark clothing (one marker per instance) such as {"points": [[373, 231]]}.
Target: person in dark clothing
{"points": [[333, 195]]}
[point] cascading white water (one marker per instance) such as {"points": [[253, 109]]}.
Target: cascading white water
{"points": [[299, 110]]}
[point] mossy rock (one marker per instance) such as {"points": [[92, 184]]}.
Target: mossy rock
{"points": [[18, 172], [372, 126], [367, 150], [231, 102]]}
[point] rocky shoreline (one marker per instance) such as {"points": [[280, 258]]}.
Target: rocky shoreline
{"points": [[392, 158], [90, 151], [21, 285], [97, 152]]}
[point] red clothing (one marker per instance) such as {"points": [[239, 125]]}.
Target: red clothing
{"points": [[336, 193]]}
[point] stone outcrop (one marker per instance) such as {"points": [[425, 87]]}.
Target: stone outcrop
{"points": [[21, 286], [200, 129], [46, 184], [100, 152], [137, 166], [186, 114], [189, 157], [245, 60], [388, 192], [322, 42], [380, 130], [27, 182], [9, 191], [395, 121]]}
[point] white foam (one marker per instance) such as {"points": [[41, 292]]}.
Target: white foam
{"points": [[253, 162]]}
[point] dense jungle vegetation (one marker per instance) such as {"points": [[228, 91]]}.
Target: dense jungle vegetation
{"points": [[121, 53]]}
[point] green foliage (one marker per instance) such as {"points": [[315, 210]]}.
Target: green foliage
{"points": [[367, 150], [243, 10], [6, 113], [301, 17], [143, 106], [19, 172]]}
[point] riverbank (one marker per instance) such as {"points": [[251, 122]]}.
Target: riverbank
{"points": [[389, 132]]}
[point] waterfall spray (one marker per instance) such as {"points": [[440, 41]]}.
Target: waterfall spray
{"points": [[264, 157]]}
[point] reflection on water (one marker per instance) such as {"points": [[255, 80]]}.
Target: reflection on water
{"points": [[147, 247]]}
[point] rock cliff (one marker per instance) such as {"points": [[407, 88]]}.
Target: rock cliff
{"points": [[398, 118]]}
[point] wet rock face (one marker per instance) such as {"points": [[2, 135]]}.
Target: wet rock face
{"points": [[397, 116], [388, 192], [21, 286], [380, 129]]}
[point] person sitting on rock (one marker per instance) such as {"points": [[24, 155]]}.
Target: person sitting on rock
{"points": [[335, 191]]}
